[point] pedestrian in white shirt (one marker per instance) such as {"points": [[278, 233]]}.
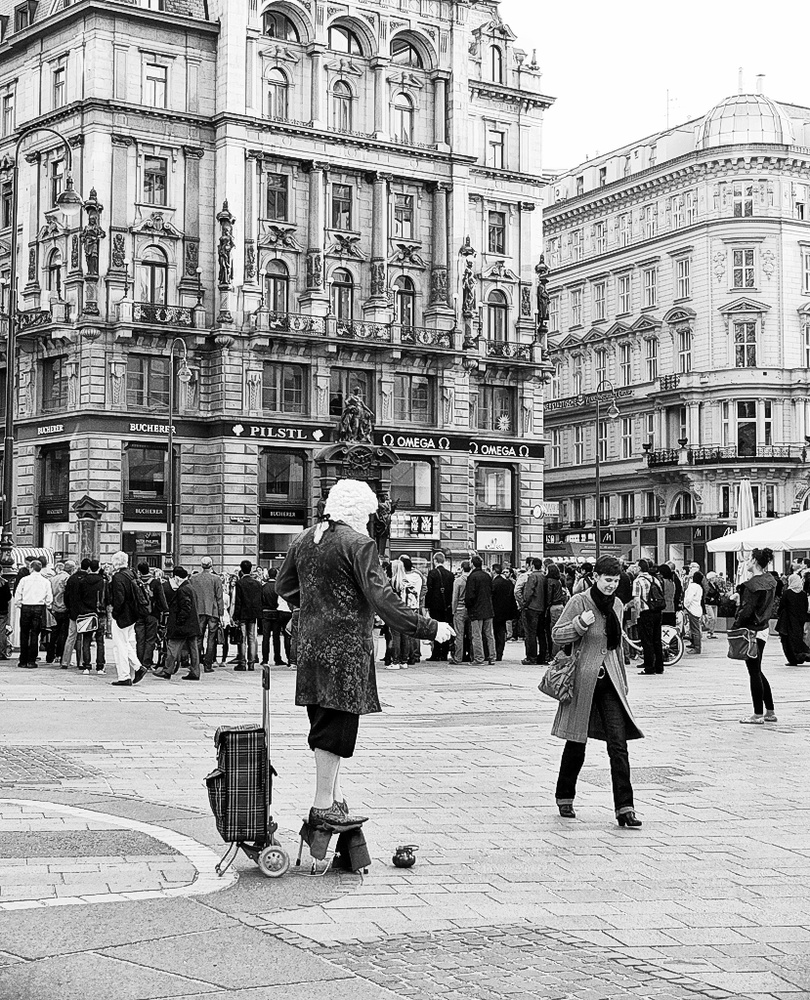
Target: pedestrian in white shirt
{"points": [[32, 597], [693, 606]]}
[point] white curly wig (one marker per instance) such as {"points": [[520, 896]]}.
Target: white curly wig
{"points": [[350, 501]]}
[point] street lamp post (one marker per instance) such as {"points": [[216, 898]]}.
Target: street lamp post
{"points": [[70, 204], [183, 375], [607, 386]]}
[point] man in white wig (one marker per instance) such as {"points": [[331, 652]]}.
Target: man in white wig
{"points": [[333, 574]]}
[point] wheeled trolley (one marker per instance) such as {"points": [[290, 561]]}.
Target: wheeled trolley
{"points": [[240, 792]]}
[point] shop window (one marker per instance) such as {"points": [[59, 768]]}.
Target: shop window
{"points": [[342, 99], [155, 177], [343, 296], [496, 408], [283, 388], [277, 287], [405, 301], [147, 381], [277, 94], [145, 469], [340, 39], [279, 26], [277, 197], [153, 273], [403, 119], [405, 54], [412, 484], [344, 383], [403, 216], [54, 384], [282, 478], [493, 487], [413, 399], [54, 471]]}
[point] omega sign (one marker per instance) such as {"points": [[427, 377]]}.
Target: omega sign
{"points": [[486, 449]]}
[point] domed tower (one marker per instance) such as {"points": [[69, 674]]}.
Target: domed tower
{"points": [[745, 119]]}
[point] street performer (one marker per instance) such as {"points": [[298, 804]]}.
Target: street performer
{"points": [[333, 574]]}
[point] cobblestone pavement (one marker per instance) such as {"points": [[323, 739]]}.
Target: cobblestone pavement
{"points": [[710, 898]]}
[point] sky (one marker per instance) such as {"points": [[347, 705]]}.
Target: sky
{"points": [[612, 66]]}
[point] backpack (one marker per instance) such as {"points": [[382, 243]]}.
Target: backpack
{"points": [[655, 598], [143, 596]]}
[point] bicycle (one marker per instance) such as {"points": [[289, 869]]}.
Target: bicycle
{"points": [[671, 642]]}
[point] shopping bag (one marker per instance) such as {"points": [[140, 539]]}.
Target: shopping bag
{"points": [[742, 644], [557, 680]]}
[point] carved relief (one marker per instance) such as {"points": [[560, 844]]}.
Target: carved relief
{"points": [[314, 270], [719, 264], [118, 250], [527, 415], [378, 277], [387, 392], [254, 385], [438, 286], [448, 402], [250, 260], [768, 263], [345, 245], [118, 371], [32, 264], [72, 374], [74, 253], [192, 257]]}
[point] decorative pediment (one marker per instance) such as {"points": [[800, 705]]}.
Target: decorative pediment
{"points": [[346, 245], [53, 227], [618, 329], [279, 237], [278, 54], [803, 310], [344, 67], [500, 272], [569, 342], [594, 336], [744, 308], [407, 254], [407, 80], [679, 316], [646, 326], [156, 224]]}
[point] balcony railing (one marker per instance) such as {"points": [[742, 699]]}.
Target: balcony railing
{"points": [[513, 352], [669, 456], [294, 323], [650, 518], [374, 332], [688, 515], [576, 524], [28, 319], [160, 315], [422, 336], [727, 454]]}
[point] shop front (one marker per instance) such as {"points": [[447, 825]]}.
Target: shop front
{"points": [[495, 496], [283, 489]]}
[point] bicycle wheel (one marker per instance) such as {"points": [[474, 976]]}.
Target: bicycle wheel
{"points": [[673, 649]]}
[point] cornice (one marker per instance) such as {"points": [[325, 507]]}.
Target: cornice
{"points": [[510, 95], [538, 180]]}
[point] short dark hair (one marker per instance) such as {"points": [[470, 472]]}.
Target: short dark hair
{"points": [[407, 565], [35, 565], [85, 564], [477, 561], [180, 572], [586, 567], [697, 577], [537, 563], [497, 568], [143, 568], [762, 557], [466, 566], [246, 566], [664, 571], [94, 565], [644, 565], [272, 573], [607, 566]]}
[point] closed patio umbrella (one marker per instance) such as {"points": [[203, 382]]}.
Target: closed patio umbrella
{"points": [[745, 520]]}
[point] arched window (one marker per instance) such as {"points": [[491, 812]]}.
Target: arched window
{"points": [[405, 301], [684, 506], [496, 64], [405, 54], [497, 316], [343, 296], [277, 287], [153, 276], [342, 98], [403, 118], [341, 39], [280, 26], [55, 273], [277, 92]]}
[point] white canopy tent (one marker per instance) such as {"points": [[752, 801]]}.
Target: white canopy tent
{"points": [[783, 534]]}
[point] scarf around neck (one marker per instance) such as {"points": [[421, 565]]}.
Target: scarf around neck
{"points": [[605, 604]]}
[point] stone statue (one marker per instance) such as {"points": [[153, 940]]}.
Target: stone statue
{"points": [[468, 283], [92, 234], [226, 245], [542, 271], [357, 420]]}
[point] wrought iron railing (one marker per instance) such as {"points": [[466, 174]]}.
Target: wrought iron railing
{"points": [[504, 349], [669, 456], [424, 336], [160, 315], [296, 323], [363, 331]]}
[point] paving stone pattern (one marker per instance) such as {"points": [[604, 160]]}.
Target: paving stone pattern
{"points": [[37, 765]]}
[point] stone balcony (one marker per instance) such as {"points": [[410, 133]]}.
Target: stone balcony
{"points": [[725, 455]]}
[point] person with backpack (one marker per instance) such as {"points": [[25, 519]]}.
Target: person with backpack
{"points": [[128, 606], [146, 627], [648, 596]]}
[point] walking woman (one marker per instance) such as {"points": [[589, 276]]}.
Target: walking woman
{"points": [[790, 623], [668, 588], [756, 602], [399, 641], [599, 708]]}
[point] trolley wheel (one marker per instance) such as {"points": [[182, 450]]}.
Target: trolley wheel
{"points": [[273, 861]]}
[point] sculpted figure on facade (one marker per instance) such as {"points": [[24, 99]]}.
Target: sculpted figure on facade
{"points": [[356, 421]]}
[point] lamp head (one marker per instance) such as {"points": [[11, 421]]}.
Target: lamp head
{"points": [[68, 202], [184, 372], [613, 412]]}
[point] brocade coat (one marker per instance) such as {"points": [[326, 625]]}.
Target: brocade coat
{"points": [[339, 586], [573, 720]]}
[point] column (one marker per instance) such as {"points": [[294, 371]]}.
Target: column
{"points": [[253, 167], [440, 109], [439, 266], [191, 218], [315, 294], [316, 82], [378, 303], [378, 67], [28, 285], [526, 314]]}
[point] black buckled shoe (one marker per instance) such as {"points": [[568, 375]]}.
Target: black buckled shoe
{"points": [[629, 819], [567, 811]]}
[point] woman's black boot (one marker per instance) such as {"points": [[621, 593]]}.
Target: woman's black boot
{"points": [[628, 819], [567, 811]]}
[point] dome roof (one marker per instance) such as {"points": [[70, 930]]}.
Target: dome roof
{"points": [[745, 118]]}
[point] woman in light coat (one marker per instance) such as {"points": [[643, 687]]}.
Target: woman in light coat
{"points": [[599, 708]]}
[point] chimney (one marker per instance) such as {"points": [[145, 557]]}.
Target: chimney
{"points": [[760, 83]]}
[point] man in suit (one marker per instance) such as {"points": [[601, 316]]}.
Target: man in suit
{"points": [[503, 606], [478, 598], [439, 600], [182, 628]]}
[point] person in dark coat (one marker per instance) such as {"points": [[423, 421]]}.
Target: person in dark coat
{"points": [[504, 607], [534, 607], [124, 615], [182, 628], [332, 573], [247, 610], [757, 595], [791, 621], [478, 598], [93, 601], [274, 623], [439, 600]]}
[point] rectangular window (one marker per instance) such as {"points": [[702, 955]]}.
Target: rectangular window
{"points": [[580, 185], [493, 487], [554, 453], [745, 345], [691, 208], [155, 4], [725, 501], [627, 437], [602, 438], [554, 250], [624, 294], [147, 381], [624, 229], [6, 204], [155, 80], [604, 508], [742, 270], [650, 221], [554, 314], [496, 232], [651, 359], [683, 278], [155, 177], [602, 176], [676, 208], [554, 385], [576, 244], [625, 364], [413, 399], [496, 408], [684, 351], [767, 437], [282, 477], [283, 388], [54, 471], [649, 429], [806, 271], [277, 197], [576, 375], [743, 199], [601, 365], [54, 384], [770, 501], [806, 342], [628, 507], [8, 113], [496, 149], [412, 484], [403, 216], [650, 287], [746, 428], [57, 179], [600, 237], [146, 472], [59, 82], [579, 445], [599, 301], [24, 15], [576, 307], [344, 383], [341, 206]]}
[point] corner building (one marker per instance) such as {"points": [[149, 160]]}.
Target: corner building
{"points": [[287, 194], [681, 274]]}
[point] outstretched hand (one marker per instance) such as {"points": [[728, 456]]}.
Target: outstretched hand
{"points": [[444, 633]]}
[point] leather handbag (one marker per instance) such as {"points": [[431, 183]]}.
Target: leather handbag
{"points": [[558, 678], [742, 644]]}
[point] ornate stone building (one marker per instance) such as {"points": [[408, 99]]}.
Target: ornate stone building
{"points": [[285, 203], [681, 274]]}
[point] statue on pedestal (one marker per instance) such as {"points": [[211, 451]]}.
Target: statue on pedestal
{"points": [[356, 421]]}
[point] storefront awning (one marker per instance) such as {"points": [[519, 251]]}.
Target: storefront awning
{"points": [[46, 556]]}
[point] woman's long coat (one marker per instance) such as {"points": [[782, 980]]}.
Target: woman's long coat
{"points": [[792, 616], [573, 720], [339, 585]]}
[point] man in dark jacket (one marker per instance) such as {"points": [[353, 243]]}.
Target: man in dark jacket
{"points": [[73, 605], [439, 600], [124, 613], [93, 601], [147, 625], [247, 610], [207, 587], [478, 598], [504, 607], [274, 622], [182, 628], [534, 613], [5, 601]]}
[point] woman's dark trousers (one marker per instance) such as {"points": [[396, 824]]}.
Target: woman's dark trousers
{"points": [[607, 707], [649, 635], [760, 688]]}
